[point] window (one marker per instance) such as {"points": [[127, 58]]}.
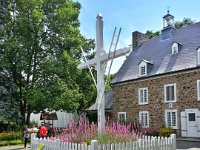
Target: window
{"points": [[192, 116], [171, 118], [122, 116], [142, 68], [198, 89], [144, 119], [170, 92], [143, 96], [174, 48], [198, 56]]}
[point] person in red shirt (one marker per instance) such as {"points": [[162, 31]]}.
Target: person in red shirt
{"points": [[43, 131]]}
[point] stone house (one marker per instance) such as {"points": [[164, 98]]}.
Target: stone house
{"points": [[159, 82]]}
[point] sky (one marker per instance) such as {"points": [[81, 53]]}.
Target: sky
{"points": [[132, 15]]}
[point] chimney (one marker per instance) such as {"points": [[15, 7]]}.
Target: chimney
{"points": [[137, 39]]}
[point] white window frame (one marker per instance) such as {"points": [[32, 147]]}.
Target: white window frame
{"points": [[171, 118], [198, 90], [165, 93], [121, 113], [175, 49], [198, 56], [143, 97], [143, 65], [142, 115]]}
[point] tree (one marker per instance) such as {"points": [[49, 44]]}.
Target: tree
{"points": [[178, 24], [183, 23], [151, 34], [40, 44]]}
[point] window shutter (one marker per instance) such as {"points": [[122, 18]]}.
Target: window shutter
{"points": [[198, 89], [183, 124], [198, 123], [198, 57]]}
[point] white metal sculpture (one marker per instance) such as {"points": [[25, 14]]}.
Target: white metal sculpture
{"points": [[100, 62]]}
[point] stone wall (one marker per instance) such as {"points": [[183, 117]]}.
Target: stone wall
{"points": [[125, 96]]}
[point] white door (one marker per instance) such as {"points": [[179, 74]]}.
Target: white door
{"points": [[192, 123]]}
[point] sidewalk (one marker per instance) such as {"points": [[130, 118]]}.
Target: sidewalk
{"points": [[183, 143], [15, 147]]}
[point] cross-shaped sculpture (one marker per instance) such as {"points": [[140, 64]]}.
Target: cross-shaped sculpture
{"points": [[99, 61]]}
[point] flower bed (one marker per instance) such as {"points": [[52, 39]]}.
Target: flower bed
{"points": [[84, 132], [8, 136]]}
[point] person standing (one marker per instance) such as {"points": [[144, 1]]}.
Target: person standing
{"points": [[26, 135], [34, 129], [43, 131]]}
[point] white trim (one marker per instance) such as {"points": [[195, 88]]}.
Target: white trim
{"points": [[166, 119], [121, 113], [165, 94], [198, 56], [143, 64], [146, 114], [198, 90], [143, 94]]}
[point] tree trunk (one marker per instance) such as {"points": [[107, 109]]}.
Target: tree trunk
{"points": [[28, 117]]}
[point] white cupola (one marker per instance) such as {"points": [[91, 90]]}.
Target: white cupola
{"points": [[168, 20], [168, 26]]}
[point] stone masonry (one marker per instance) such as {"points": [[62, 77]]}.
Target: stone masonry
{"points": [[125, 96]]}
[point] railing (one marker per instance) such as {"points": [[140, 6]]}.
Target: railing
{"points": [[146, 143]]}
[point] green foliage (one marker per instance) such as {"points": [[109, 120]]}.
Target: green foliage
{"points": [[9, 136], [40, 147], [178, 24], [166, 132], [3, 143], [183, 23], [151, 34], [12, 142], [40, 48], [15, 142], [8, 125]]}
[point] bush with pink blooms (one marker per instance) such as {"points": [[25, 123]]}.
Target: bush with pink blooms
{"points": [[84, 132]]}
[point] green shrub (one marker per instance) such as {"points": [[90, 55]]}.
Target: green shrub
{"points": [[15, 142], [3, 143], [166, 132], [8, 136]]}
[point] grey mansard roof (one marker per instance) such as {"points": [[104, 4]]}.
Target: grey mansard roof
{"points": [[159, 53]]}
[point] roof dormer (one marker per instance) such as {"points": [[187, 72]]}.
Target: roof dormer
{"points": [[144, 67], [175, 47]]}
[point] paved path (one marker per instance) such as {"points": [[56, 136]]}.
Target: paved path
{"points": [[188, 143], [16, 147]]}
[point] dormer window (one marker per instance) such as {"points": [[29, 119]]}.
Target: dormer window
{"points": [[175, 48], [198, 56], [142, 68]]}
